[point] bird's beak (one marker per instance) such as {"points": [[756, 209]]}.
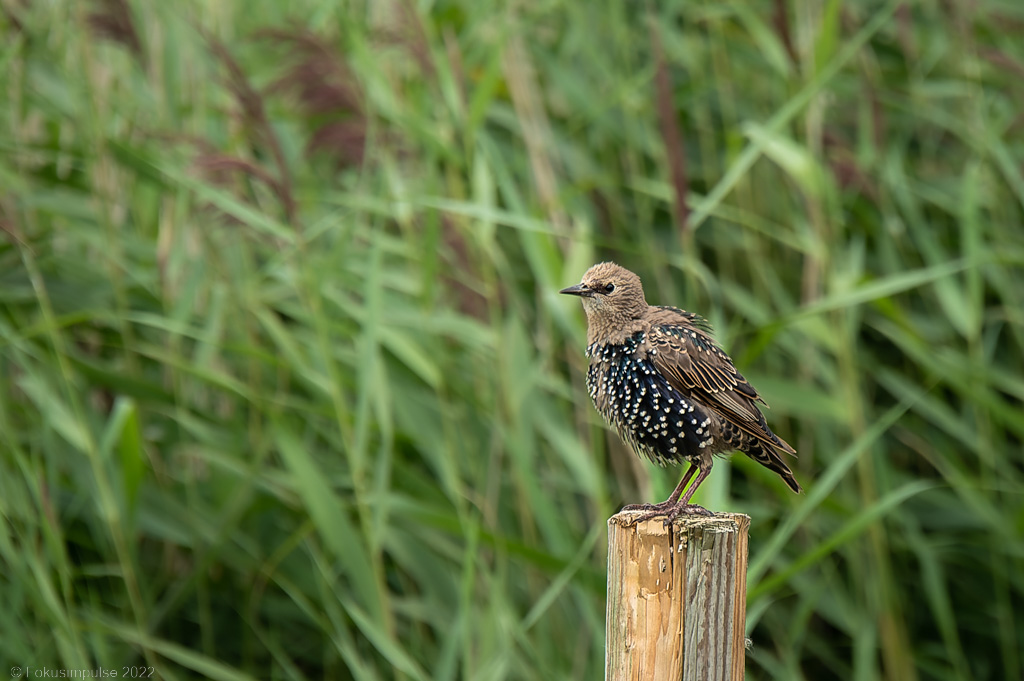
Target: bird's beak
{"points": [[578, 290]]}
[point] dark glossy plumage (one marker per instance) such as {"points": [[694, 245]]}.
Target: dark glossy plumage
{"points": [[657, 376]]}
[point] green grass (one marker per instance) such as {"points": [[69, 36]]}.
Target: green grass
{"points": [[287, 391]]}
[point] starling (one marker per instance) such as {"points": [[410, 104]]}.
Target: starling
{"points": [[657, 375]]}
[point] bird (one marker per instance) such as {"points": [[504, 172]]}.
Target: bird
{"points": [[657, 376]]}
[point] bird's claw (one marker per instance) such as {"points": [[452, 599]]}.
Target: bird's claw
{"points": [[669, 511], [656, 508], [691, 509]]}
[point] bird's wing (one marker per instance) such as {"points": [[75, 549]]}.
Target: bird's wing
{"points": [[683, 351]]}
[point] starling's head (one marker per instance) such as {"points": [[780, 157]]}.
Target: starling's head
{"points": [[612, 295]]}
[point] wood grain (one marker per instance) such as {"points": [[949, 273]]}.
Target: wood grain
{"points": [[676, 598]]}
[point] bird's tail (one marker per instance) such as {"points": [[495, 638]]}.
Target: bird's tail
{"points": [[770, 459]]}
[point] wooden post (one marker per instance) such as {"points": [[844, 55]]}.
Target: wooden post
{"points": [[677, 598]]}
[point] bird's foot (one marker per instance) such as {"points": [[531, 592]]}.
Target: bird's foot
{"points": [[667, 510], [661, 507], [689, 509]]}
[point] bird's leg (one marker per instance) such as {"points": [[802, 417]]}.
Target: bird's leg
{"points": [[683, 506], [673, 499]]}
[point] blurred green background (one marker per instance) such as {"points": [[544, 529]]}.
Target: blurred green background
{"points": [[287, 391]]}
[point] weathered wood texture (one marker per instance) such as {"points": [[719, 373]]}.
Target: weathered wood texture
{"points": [[677, 598]]}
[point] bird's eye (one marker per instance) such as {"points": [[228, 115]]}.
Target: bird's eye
{"points": [[608, 288]]}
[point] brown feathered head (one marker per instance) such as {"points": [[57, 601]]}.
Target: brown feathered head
{"points": [[612, 296]]}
